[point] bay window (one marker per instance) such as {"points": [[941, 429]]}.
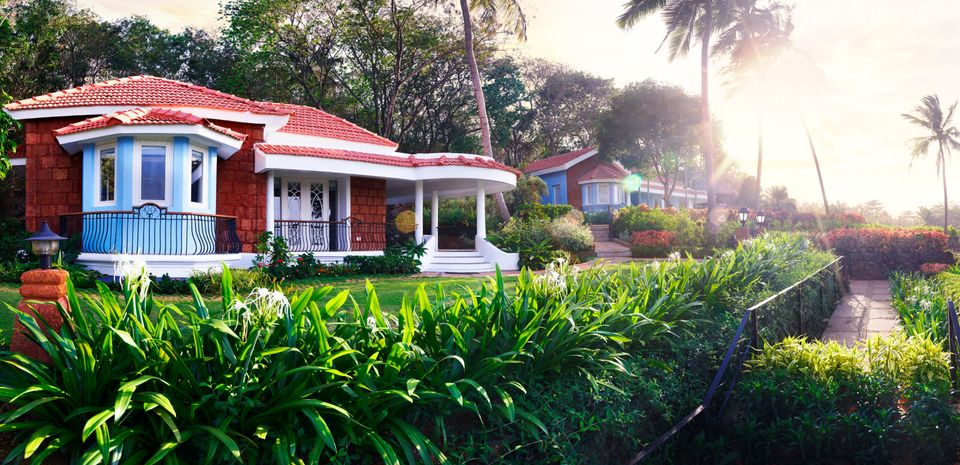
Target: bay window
{"points": [[155, 163], [197, 178]]}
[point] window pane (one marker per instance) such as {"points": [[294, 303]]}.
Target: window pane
{"points": [[604, 194], [153, 172], [196, 176], [108, 175]]}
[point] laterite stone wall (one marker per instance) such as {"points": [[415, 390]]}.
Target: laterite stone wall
{"points": [[240, 191], [574, 189], [368, 204], [53, 176]]}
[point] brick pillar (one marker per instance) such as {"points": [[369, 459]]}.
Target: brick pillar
{"points": [[49, 287]]}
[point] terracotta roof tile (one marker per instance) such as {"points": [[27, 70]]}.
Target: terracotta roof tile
{"points": [[145, 91], [145, 116], [410, 161], [555, 161], [311, 121], [605, 171]]}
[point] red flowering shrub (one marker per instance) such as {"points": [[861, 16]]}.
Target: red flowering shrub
{"points": [[648, 244], [872, 253], [931, 269]]}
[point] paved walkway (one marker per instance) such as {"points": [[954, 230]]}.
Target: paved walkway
{"points": [[864, 312]]}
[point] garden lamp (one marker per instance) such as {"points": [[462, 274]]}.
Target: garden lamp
{"points": [[45, 244], [761, 217], [744, 215]]}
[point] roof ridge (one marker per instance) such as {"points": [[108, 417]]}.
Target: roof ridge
{"points": [[263, 105], [50, 95]]}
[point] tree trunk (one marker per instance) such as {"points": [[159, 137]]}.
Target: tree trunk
{"points": [[758, 189], [946, 206], [816, 162], [706, 125], [481, 101]]}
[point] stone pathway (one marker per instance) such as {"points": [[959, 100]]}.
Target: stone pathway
{"points": [[864, 312]]}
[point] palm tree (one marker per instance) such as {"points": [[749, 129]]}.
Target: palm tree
{"points": [[752, 37], [816, 162], [777, 198], [941, 133], [505, 11], [687, 21]]}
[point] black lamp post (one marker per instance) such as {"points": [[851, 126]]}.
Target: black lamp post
{"points": [[744, 215], [761, 217], [45, 244]]}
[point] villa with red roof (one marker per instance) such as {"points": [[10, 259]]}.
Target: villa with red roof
{"points": [[187, 177], [585, 181]]}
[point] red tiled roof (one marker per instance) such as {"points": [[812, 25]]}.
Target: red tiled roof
{"points": [[555, 161], [144, 116], [311, 121], [410, 161], [605, 171], [145, 91]]}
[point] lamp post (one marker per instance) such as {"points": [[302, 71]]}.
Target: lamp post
{"points": [[744, 215], [45, 244], [761, 218]]}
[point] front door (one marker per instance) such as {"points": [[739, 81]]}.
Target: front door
{"points": [[306, 212]]}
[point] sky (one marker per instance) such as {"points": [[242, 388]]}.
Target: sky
{"points": [[858, 65]]}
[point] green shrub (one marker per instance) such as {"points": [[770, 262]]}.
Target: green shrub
{"points": [[628, 220], [884, 401], [598, 217], [396, 259], [540, 242], [922, 302], [872, 253], [13, 247], [536, 211], [242, 281]]}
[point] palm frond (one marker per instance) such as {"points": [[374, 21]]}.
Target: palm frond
{"points": [[635, 10]]}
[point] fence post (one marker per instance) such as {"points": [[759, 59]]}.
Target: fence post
{"points": [[952, 336], [800, 309]]}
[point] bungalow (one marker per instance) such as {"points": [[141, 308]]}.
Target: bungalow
{"points": [[188, 177], [585, 181]]}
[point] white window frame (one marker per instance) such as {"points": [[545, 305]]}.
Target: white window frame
{"points": [[605, 188], [168, 172], [97, 150], [204, 180], [556, 194]]}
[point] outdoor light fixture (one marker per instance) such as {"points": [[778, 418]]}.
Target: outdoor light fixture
{"points": [[744, 215], [45, 245], [761, 217]]}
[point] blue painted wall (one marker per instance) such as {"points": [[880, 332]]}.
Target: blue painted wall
{"points": [[558, 178], [117, 235]]}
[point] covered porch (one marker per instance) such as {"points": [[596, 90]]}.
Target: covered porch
{"points": [[334, 207]]}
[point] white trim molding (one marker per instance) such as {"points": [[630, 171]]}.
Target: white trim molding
{"points": [[19, 161], [201, 135]]}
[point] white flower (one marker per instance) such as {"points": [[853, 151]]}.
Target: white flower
{"points": [[925, 304], [262, 308], [675, 256], [372, 323], [133, 273]]}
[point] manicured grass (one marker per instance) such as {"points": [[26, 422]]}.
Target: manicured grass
{"points": [[390, 292]]}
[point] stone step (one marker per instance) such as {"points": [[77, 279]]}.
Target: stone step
{"points": [[626, 254], [457, 260]]}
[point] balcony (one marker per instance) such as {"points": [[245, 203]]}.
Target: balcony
{"points": [[152, 230]]}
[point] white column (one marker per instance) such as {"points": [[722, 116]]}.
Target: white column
{"points": [[270, 212], [481, 212], [435, 215], [418, 211]]}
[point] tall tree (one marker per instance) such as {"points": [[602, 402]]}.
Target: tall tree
{"points": [[941, 135], [688, 21], [752, 37], [652, 125], [491, 12]]}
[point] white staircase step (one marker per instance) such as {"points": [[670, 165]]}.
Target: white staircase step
{"points": [[458, 268], [458, 260]]}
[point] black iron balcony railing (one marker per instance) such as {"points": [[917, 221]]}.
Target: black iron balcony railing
{"points": [[152, 230], [347, 235]]}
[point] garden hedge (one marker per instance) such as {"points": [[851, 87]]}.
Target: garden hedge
{"points": [[872, 253]]}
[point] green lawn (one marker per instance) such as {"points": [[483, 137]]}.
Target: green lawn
{"points": [[390, 292]]}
